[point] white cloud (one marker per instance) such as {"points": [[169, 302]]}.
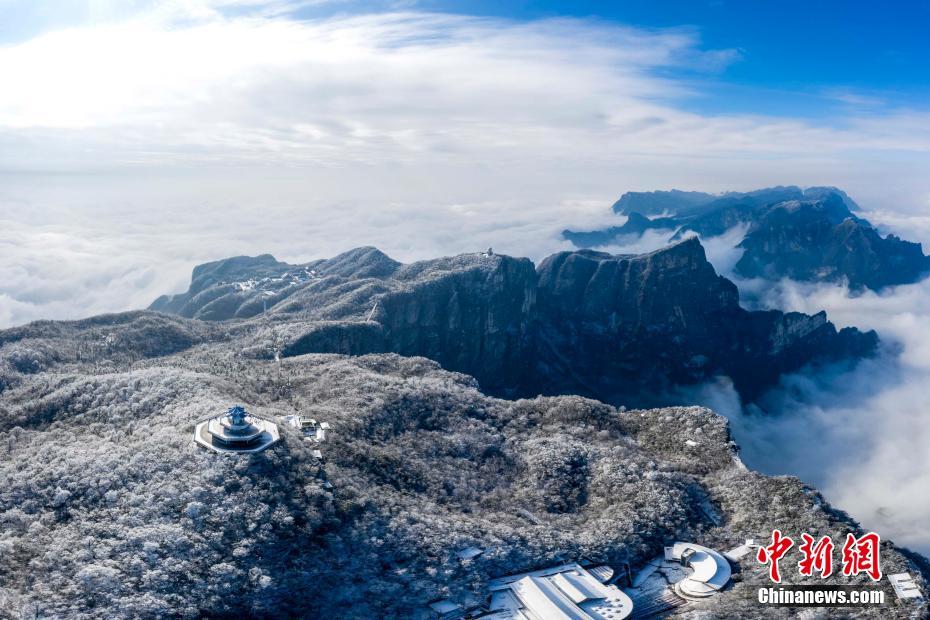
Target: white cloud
{"points": [[858, 435], [359, 89], [156, 90]]}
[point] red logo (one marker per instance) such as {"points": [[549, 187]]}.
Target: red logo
{"points": [[817, 556], [773, 553], [861, 555]]}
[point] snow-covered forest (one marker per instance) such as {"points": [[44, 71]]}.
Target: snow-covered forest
{"points": [[108, 509]]}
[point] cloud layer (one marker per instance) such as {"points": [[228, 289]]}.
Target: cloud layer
{"points": [[861, 435], [140, 142]]}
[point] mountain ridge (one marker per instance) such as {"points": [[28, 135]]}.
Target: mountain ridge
{"points": [[109, 509], [635, 324]]}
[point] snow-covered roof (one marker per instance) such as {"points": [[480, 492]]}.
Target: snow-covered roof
{"points": [[566, 592], [737, 553], [602, 573], [258, 435], [904, 586], [444, 607], [711, 570], [469, 552]]}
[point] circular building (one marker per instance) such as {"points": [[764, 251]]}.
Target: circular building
{"points": [[710, 570], [236, 431]]}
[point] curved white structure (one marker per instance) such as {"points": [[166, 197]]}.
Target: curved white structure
{"points": [[566, 592], [711, 571]]}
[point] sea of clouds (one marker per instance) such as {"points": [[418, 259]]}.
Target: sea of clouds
{"points": [[140, 139], [140, 143], [859, 434]]}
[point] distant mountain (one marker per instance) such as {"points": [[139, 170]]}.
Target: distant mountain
{"points": [[673, 202], [243, 286], [635, 225], [624, 329], [810, 235], [686, 204], [820, 240]]}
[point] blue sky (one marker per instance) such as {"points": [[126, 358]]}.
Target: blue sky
{"points": [[795, 57], [782, 43]]}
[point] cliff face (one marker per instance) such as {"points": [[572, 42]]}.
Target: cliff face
{"points": [[625, 329], [620, 326], [472, 313], [822, 240]]}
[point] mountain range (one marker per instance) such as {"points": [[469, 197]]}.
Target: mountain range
{"points": [[626, 329], [807, 235], [109, 509]]}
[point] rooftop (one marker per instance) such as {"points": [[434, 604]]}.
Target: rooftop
{"points": [[236, 431], [566, 592]]}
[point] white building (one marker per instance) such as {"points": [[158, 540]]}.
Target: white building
{"points": [[710, 570], [694, 571], [566, 592]]}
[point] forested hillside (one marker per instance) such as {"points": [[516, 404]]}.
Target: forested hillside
{"points": [[108, 509]]}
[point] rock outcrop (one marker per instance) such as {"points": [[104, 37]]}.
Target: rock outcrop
{"points": [[617, 326], [472, 313]]}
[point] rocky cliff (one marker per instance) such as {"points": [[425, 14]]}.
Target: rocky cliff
{"points": [[809, 235], [620, 328], [820, 240], [613, 326]]}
